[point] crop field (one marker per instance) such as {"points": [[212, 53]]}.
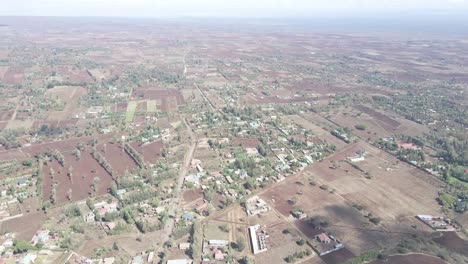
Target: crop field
{"points": [[130, 113], [151, 106]]}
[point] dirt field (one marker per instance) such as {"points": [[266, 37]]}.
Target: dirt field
{"points": [[453, 242], [65, 95], [118, 158], [338, 256], [84, 171], [6, 115], [393, 197], [151, 151], [24, 227], [316, 124], [167, 100], [411, 259]]}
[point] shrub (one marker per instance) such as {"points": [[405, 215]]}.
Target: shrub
{"points": [[361, 127]]}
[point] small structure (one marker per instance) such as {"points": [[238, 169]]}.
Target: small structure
{"points": [[137, 260], [28, 259], [219, 255], [89, 217], [256, 206], [325, 243], [218, 243], [150, 257], [202, 209], [41, 236], [179, 261], [323, 238], [187, 217], [357, 158], [110, 260], [21, 182], [440, 224], [184, 246], [258, 238], [298, 213]]}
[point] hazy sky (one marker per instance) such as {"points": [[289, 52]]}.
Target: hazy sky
{"points": [[236, 8]]}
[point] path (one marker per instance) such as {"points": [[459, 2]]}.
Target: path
{"points": [[175, 202]]}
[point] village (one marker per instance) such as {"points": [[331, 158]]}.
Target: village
{"points": [[252, 151]]}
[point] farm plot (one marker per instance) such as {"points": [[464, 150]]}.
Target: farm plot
{"points": [[390, 196], [167, 100], [151, 152], [117, 157], [151, 106], [410, 259], [130, 113], [87, 178], [66, 95]]}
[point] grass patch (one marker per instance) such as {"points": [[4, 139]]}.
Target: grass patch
{"points": [[131, 108], [151, 106]]}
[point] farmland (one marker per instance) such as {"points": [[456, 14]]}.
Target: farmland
{"points": [[234, 143]]}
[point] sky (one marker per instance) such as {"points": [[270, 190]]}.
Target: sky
{"points": [[226, 8]]}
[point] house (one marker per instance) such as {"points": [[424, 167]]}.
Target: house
{"points": [[29, 258], [22, 182], [41, 236], [120, 192], [255, 206], [356, 158], [150, 257], [258, 238], [298, 213], [179, 261], [202, 208], [110, 226], [89, 217], [137, 260], [218, 243], [187, 217], [110, 260], [229, 179], [323, 238], [219, 255], [184, 246], [408, 146]]}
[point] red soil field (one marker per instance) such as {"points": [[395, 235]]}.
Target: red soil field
{"points": [[118, 158], [410, 259], [24, 227], [84, 171], [120, 107], [141, 106], [55, 123], [453, 242], [151, 152], [6, 115], [247, 142], [379, 116], [167, 99], [14, 75], [273, 99], [192, 195], [338, 256]]}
